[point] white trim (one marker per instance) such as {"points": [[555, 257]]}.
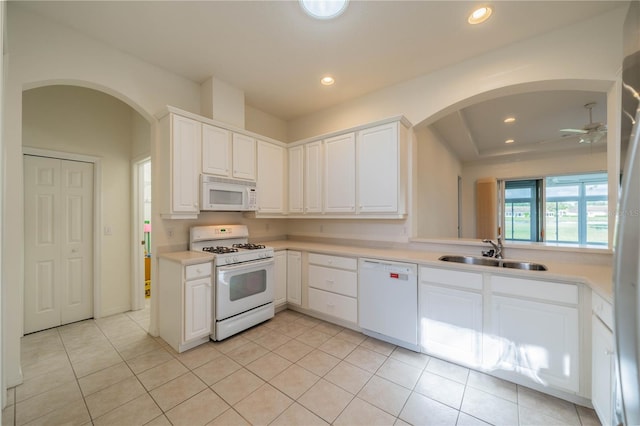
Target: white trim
{"points": [[97, 214], [137, 218]]}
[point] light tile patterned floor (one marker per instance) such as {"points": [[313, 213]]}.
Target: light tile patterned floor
{"points": [[291, 370]]}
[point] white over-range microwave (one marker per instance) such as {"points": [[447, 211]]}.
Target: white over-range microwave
{"points": [[222, 194]]}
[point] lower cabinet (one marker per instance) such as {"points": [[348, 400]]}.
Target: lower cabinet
{"points": [[185, 299], [294, 277], [333, 286], [280, 277], [602, 360], [451, 317], [535, 332]]}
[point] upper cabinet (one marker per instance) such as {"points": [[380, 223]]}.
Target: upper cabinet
{"points": [[270, 182], [244, 157], [296, 179], [381, 169], [340, 174], [179, 158], [216, 151], [313, 177], [359, 173]]}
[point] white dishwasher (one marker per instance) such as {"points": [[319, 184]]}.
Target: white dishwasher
{"points": [[388, 301]]}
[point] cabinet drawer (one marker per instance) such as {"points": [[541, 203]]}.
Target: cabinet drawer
{"points": [[333, 304], [603, 310], [197, 271], [335, 280], [544, 290], [470, 280], [333, 261]]}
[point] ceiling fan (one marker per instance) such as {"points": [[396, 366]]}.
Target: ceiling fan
{"points": [[591, 132]]}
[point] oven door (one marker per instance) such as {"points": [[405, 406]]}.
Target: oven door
{"points": [[242, 287]]}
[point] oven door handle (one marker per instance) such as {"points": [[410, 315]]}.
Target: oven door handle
{"points": [[244, 265]]}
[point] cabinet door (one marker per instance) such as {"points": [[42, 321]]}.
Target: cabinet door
{"points": [[197, 308], [313, 177], [185, 164], [280, 276], [296, 162], [294, 277], [244, 157], [536, 340], [378, 169], [216, 151], [601, 371], [270, 182], [451, 324], [340, 174]]}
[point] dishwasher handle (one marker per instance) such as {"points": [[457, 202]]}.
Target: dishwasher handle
{"points": [[386, 266]]}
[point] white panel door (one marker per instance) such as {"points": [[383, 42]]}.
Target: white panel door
{"points": [[186, 164], [280, 276], [58, 242], [216, 151], [313, 177], [340, 174], [197, 308], [270, 182], [294, 277], [296, 180], [378, 163], [244, 157]]}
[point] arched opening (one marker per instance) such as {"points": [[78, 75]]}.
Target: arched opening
{"points": [[62, 119]]}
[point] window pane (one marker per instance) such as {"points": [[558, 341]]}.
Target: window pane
{"points": [[597, 222], [563, 191], [517, 221], [562, 223], [596, 189], [511, 193]]}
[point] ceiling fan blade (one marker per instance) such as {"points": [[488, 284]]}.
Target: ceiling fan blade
{"points": [[581, 131]]}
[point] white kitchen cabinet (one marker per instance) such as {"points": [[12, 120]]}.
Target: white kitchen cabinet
{"points": [[381, 162], [216, 151], [296, 179], [179, 159], [340, 174], [270, 181], [280, 277], [450, 312], [333, 286], [602, 360], [538, 339], [313, 177], [185, 301], [294, 277], [244, 157]]}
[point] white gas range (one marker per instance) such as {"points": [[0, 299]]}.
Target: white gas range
{"points": [[244, 286]]}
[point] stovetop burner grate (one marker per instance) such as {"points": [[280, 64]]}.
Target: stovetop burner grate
{"points": [[249, 246], [220, 249]]}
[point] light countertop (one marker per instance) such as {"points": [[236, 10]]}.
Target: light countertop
{"points": [[187, 257], [597, 277]]}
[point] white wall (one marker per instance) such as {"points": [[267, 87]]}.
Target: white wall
{"points": [[437, 186], [40, 53], [586, 161], [547, 59], [265, 124], [140, 136]]}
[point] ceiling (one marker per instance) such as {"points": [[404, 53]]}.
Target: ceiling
{"points": [[276, 54], [478, 131]]}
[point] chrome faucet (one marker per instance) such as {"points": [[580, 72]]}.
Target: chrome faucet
{"points": [[496, 251]]}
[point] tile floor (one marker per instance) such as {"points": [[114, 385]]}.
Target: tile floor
{"points": [[291, 370]]}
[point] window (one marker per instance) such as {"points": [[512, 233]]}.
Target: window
{"points": [[521, 206], [575, 209]]}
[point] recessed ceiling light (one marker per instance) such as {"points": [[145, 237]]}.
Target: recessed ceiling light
{"points": [[327, 81], [509, 119], [324, 9], [509, 141], [480, 15]]}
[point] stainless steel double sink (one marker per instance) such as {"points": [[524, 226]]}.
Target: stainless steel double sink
{"points": [[490, 261]]}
